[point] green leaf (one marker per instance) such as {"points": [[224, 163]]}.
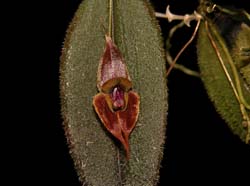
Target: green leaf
{"points": [[99, 159], [217, 84], [241, 52]]}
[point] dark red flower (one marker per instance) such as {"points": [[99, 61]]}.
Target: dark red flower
{"points": [[116, 105]]}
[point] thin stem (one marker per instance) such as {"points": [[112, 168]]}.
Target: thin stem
{"points": [[247, 119], [169, 57], [184, 47], [173, 30], [160, 15], [186, 18], [231, 12], [111, 32], [181, 67]]}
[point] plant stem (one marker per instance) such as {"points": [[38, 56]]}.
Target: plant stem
{"points": [[111, 31], [184, 47], [169, 57]]}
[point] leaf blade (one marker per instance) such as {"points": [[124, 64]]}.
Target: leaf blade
{"points": [[93, 150], [217, 84]]}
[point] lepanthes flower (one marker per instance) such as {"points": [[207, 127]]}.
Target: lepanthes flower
{"points": [[116, 104]]}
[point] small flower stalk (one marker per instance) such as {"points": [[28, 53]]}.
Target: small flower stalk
{"points": [[187, 18]]}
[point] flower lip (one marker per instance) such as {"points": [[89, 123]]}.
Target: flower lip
{"points": [[117, 97]]}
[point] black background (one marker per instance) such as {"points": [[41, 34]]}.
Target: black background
{"points": [[199, 146]]}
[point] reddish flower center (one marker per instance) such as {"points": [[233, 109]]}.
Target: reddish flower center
{"points": [[117, 96]]}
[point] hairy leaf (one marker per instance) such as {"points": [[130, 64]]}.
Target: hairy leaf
{"points": [[217, 84], [98, 157]]}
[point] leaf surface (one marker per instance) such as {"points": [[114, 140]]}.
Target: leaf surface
{"points": [[99, 158], [217, 84]]}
